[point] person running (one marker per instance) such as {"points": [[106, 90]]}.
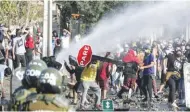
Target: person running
{"points": [[174, 72], [130, 73]]}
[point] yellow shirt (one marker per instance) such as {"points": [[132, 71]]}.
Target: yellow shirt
{"points": [[89, 73]]}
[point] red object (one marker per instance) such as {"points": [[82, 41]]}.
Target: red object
{"points": [[84, 56], [130, 57], [103, 74], [29, 42]]}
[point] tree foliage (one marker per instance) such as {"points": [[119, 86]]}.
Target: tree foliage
{"points": [[92, 10], [19, 12]]}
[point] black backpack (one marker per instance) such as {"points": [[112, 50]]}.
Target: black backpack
{"points": [[130, 68]]}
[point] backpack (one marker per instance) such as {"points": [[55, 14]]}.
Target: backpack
{"points": [[29, 42], [130, 68]]}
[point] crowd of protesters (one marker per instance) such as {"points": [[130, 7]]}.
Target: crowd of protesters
{"points": [[20, 45], [144, 66]]}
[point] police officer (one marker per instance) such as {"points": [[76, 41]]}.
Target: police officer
{"points": [[49, 97], [29, 84]]}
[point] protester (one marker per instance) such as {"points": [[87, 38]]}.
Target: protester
{"points": [[148, 68], [29, 46], [88, 78], [65, 39], [18, 49], [38, 46], [130, 72], [57, 48]]}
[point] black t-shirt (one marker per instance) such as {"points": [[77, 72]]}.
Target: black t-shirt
{"points": [[174, 64]]}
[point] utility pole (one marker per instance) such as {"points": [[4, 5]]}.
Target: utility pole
{"points": [[50, 49], [47, 29]]}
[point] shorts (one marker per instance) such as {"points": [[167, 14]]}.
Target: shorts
{"points": [[104, 84], [129, 82]]}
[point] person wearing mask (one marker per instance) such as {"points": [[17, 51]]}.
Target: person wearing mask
{"points": [[130, 73], [148, 72], [174, 72], [88, 79], [18, 49]]}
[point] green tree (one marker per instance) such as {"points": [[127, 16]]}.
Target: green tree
{"points": [[19, 12], [92, 10]]}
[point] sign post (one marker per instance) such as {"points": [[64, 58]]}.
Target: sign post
{"points": [[84, 56], [107, 105]]}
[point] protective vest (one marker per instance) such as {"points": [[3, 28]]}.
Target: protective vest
{"points": [[20, 97], [46, 102]]}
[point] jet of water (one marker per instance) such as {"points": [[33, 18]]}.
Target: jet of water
{"points": [[131, 23]]}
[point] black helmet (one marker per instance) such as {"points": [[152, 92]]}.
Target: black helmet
{"points": [[32, 74], [50, 81]]}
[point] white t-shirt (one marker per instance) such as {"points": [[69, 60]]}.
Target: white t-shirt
{"points": [[19, 45], [65, 40], [2, 69]]}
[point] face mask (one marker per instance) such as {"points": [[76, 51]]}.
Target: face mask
{"points": [[147, 51], [178, 53]]}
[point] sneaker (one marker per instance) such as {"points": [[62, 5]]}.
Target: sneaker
{"points": [[175, 105], [144, 100], [98, 107]]}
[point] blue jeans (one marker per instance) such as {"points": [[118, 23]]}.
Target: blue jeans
{"points": [[181, 89]]}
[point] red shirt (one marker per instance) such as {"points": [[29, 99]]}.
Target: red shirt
{"points": [[103, 73]]}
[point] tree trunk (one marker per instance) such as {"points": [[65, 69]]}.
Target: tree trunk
{"points": [[28, 14]]}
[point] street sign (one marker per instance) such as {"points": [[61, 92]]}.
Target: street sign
{"points": [[107, 105], [84, 55]]}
